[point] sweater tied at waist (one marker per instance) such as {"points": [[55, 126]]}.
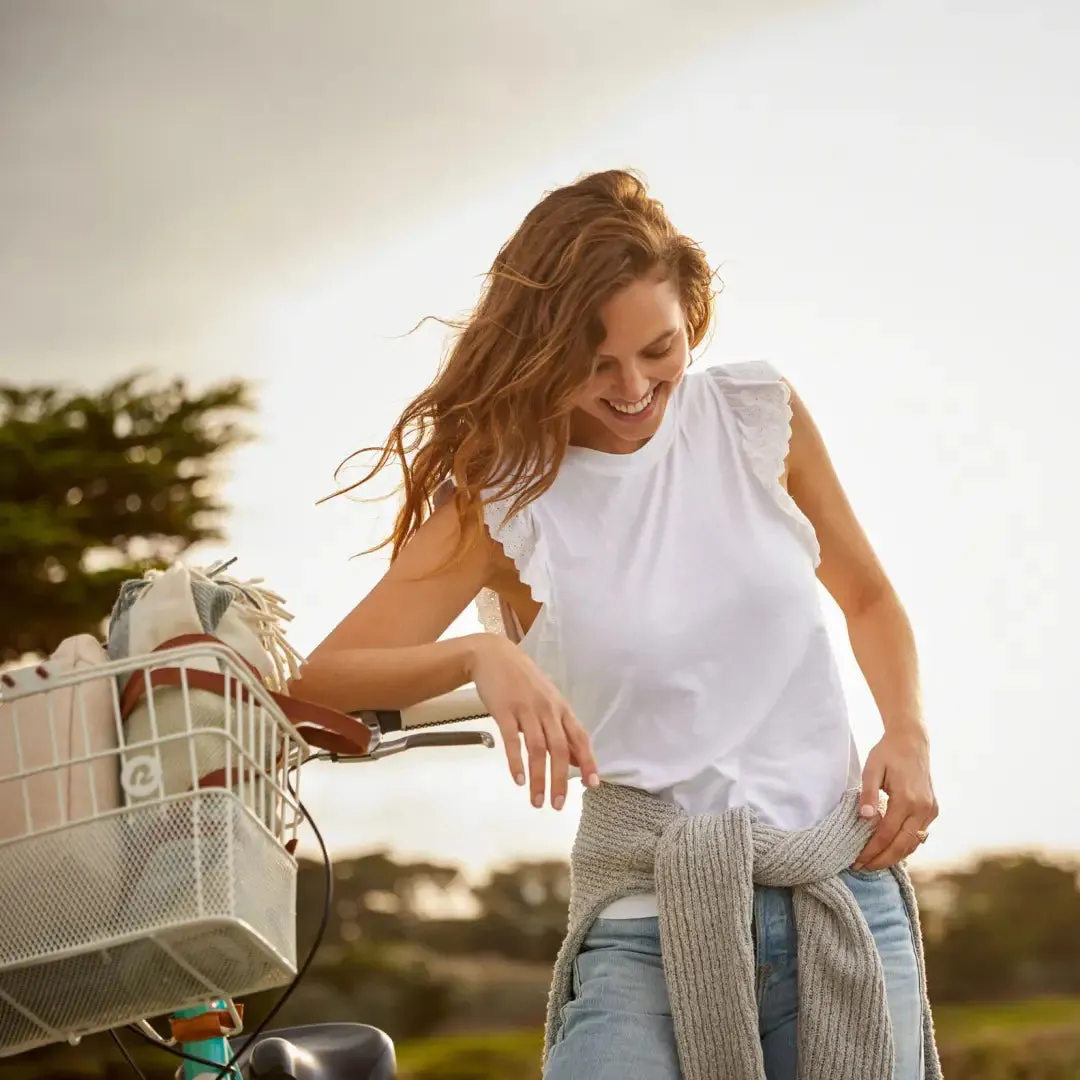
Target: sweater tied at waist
{"points": [[703, 870]]}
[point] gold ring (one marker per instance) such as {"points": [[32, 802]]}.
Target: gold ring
{"points": [[920, 834]]}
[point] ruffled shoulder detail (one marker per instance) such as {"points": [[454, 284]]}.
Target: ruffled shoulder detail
{"points": [[520, 539], [761, 403], [494, 616]]}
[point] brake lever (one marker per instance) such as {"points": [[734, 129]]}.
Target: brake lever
{"points": [[417, 741]]}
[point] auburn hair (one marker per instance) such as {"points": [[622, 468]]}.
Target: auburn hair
{"points": [[495, 421]]}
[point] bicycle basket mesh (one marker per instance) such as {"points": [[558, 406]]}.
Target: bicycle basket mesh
{"points": [[185, 901], [163, 898]]}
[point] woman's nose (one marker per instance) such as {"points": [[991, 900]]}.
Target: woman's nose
{"points": [[633, 386]]}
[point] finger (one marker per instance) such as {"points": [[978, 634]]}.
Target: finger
{"points": [[558, 758], [871, 846], [921, 813], [882, 838], [903, 845], [873, 778], [884, 834], [863, 856], [536, 748], [581, 750], [512, 742]]}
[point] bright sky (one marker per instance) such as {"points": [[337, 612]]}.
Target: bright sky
{"points": [[889, 188]]}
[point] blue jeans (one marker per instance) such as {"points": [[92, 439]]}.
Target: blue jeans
{"points": [[618, 1023]]}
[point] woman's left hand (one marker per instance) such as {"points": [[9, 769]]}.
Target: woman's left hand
{"points": [[900, 766]]}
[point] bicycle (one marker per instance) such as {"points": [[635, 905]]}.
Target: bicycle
{"points": [[174, 894]]}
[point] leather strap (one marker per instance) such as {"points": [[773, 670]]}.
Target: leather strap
{"points": [[317, 725], [208, 1025]]}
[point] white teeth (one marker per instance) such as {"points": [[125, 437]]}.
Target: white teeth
{"points": [[638, 406]]}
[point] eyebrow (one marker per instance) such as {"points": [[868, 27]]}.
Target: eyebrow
{"points": [[662, 339]]}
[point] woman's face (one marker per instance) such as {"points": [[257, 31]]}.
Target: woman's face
{"points": [[638, 365]]}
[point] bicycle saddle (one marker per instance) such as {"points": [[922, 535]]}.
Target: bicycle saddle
{"points": [[318, 1052]]}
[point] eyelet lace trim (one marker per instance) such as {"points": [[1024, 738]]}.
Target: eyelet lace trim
{"points": [[761, 403], [489, 611], [519, 540]]}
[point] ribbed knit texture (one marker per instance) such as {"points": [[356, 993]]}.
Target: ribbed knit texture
{"points": [[704, 870]]}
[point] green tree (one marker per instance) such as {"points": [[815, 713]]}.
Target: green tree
{"points": [[97, 487], [376, 898], [524, 909], [1010, 928]]}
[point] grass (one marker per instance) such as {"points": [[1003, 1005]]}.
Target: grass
{"points": [[512, 1054], [978, 1022], [963, 1030]]}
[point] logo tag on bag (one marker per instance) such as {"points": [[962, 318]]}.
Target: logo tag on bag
{"points": [[140, 776]]}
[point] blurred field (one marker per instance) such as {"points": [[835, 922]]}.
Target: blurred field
{"points": [[1027, 1040], [1007, 1021]]}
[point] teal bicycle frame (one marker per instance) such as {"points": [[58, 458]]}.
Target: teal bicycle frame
{"points": [[217, 1049]]}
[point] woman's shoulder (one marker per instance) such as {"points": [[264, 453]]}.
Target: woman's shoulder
{"points": [[755, 402], [751, 392], [743, 373]]}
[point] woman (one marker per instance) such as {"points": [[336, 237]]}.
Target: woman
{"points": [[654, 539]]}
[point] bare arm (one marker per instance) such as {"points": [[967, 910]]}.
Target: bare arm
{"points": [[385, 655], [881, 636], [881, 639]]}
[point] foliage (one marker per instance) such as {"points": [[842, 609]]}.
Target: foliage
{"points": [[1010, 930], [95, 488], [523, 909]]}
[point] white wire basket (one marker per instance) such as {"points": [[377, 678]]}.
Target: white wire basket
{"points": [[148, 874]]}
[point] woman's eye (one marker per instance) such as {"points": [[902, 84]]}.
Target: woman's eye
{"points": [[659, 355]]}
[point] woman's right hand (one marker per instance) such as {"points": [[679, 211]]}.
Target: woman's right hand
{"points": [[525, 705]]}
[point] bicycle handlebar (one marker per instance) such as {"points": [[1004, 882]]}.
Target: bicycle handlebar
{"points": [[415, 741], [451, 708]]}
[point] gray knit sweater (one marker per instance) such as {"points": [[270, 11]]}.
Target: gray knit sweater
{"points": [[703, 870]]}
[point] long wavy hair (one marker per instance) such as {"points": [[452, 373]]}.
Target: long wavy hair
{"points": [[495, 421]]}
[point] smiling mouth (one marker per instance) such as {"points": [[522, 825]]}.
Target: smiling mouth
{"points": [[635, 408]]}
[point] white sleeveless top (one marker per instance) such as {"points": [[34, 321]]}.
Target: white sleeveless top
{"points": [[682, 617]]}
